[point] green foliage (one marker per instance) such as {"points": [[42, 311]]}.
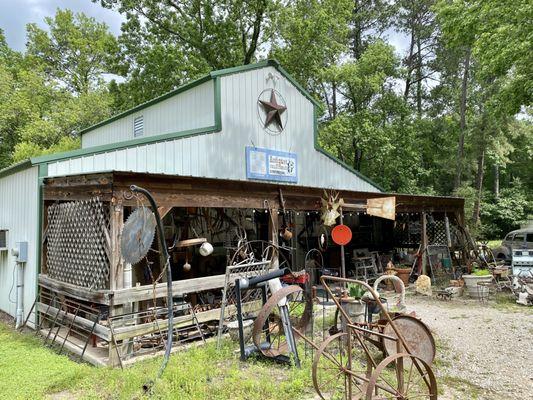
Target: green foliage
{"points": [[355, 291], [505, 213], [481, 272], [75, 50], [54, 90]]}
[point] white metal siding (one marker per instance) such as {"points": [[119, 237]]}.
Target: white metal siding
{"points": [[191, 109], [222, 155], [19, 213]]}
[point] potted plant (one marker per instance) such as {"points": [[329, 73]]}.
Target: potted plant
{"points": [[471, 282], [403, 273], [352, 304]]}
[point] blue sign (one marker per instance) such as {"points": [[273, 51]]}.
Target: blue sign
{"points": [[271, 165]]}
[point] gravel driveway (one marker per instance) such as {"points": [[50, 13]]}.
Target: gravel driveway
{"points": [[484, 351]]}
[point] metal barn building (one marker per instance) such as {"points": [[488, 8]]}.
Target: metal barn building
{"points": [[232, 139]]}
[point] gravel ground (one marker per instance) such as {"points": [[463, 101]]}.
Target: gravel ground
{"points": [[484, 352]]}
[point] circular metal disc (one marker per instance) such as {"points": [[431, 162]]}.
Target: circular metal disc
{"points": [[416, 334], [137, 235]]}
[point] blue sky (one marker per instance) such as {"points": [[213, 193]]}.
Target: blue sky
{"points": [[15, 14]]}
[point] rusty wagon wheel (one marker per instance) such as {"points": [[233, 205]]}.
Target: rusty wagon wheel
{"points": [[268, 333], [338, 372], [417, 335], [402, 376]]}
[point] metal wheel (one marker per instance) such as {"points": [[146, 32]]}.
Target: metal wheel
{"points": [[401, 377], [338, 372], [268, 333], [417, 335]]}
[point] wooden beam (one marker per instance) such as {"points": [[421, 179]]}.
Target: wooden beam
{"points": [[179, 288], [129, 331], [77, 292], [99, 330]]}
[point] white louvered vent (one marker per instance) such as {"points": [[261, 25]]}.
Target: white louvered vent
{"points": [[138, 126], [3, 239]]}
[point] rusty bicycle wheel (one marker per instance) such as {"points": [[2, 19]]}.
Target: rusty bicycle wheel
{"points": [[268, 333], [402, 376], [337, 370]]}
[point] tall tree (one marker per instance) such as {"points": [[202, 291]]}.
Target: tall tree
{"points": [[75, 50], [223, 33]]}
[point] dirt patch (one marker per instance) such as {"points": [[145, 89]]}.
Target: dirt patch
{"points": [[7, 319], [485, 351]]}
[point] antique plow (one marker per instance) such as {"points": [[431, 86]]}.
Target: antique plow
{"points": [[346, 367]]}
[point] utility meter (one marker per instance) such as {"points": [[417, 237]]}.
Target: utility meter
{"points": [[20, 252]]}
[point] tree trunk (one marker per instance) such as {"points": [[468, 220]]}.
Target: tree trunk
{"points": [[409, 63], [496, 181], [419, 78], [479, 174], [334, 99], [462, 124]]}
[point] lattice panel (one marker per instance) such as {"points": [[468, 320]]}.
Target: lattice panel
{"points": [[437, 233], [77, 244], [407, 231]]}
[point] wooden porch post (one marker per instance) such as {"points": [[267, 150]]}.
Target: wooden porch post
{"points": [[116, 272], [423, 242]]}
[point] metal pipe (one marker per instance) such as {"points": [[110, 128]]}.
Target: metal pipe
{"points": [[19, 316], [165, 258]]}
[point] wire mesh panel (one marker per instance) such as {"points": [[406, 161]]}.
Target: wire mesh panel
{"points": [[77, 243], [234, 272]]}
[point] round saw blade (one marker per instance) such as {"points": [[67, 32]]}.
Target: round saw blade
{"points": [[137, 235]]}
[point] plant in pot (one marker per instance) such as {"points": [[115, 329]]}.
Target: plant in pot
{"points": [[471, 282], [352, 304]]}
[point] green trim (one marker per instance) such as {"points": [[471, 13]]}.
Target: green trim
{"points": [[149, 103], [337, 160], [218, 106], [42, 173], [16, 168], [267, 63], [122, 145]]}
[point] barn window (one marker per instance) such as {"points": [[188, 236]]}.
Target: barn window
{"points": [[138, 126], [3, 239]]}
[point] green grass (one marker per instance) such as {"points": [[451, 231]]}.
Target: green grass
{"points": [[28, 370]]}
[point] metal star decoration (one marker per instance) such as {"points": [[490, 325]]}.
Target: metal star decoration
{"points": [[273, 110]]}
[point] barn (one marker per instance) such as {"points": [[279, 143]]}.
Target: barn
{"points": [[230, 157]]}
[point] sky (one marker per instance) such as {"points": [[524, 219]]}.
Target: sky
{"points": [[15, 14]]}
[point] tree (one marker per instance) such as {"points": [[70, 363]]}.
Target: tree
{"points": [[75, 50], [54, 90], [224, 33]]}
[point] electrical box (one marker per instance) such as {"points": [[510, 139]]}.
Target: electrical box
{"points": [[3, 239], [21, 252]]}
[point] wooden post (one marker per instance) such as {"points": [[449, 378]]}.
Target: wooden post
{"points": [[343, 261], [116, 272], [273, 229], [423, 242]]}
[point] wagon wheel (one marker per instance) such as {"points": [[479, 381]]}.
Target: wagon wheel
{"points": [[334, 366], [268, 333], [402, 376], [417, 335]]}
